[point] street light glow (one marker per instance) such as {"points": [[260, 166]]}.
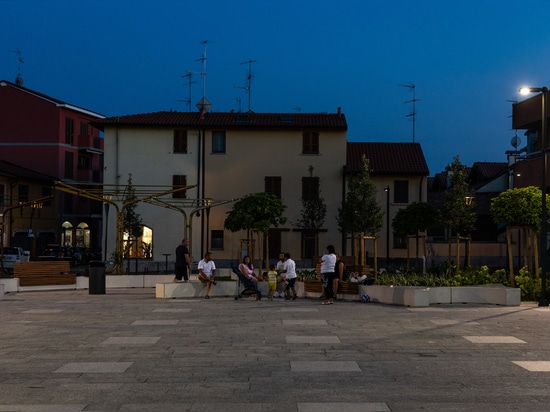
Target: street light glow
{"points": [[526, 90]]}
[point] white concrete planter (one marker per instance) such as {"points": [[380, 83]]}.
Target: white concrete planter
{"points": [[10, 284], [422, 297]]}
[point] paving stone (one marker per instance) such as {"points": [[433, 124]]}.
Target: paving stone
{"points": [[128, 351]]}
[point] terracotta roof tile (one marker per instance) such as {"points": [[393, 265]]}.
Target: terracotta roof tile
{"points": [[231, 120], [388, 158]]}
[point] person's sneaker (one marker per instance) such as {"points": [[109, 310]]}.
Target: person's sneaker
{"points": [[276, 294], [214, 283], [294, 297]]}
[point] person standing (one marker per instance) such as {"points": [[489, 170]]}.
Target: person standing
{"points": [[207, 273], [290, 277], [280, 268], [328, 261], [183, 262], [339, 272], [272, 281]]}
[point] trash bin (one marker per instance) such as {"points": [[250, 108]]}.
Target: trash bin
{"points": [[96, 277]]}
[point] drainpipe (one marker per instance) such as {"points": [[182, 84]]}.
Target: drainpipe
{"points": [[117, 175], [343, 200], [202, 189]]}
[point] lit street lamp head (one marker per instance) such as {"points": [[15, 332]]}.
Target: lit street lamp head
{"points": [[526, 90]]}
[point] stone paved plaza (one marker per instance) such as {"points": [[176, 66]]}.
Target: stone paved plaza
{"points": [[128, 351]]}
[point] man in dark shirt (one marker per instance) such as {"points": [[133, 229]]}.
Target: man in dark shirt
{"points": [[183, 261]]}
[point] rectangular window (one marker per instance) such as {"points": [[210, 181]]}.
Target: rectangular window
{"points": [[273, 186], [84, 129], [68, 203], [179, 181], [310, 143], [47, 191], [218, 142], [69, 159], [23, 193], [84, 162], [310, 188], [401, 191], [399, 241], [180, 141], [69, 130], [3, 199], [216, 240]]}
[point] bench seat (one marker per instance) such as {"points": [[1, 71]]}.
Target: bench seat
{"points": [[43, 273]]}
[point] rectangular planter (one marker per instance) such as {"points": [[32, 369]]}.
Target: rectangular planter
{"points": [[422, 297]]}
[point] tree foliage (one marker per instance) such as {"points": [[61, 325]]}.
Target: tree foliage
{"points": [[314, 211], [457, 215], [257, 211], [519, 207], [360, 212], [417, 217], [133, 224]]}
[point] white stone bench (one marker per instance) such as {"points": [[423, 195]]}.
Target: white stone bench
{"points": [[194, 289]]}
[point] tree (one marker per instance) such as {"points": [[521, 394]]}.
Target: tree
{"points": [[458, 216], [133, 225], [520, 208], [415, 218], [360, 212], [314, 212], [257, 212]]}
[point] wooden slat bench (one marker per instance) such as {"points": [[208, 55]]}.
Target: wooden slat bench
{"points": [[44, 273]]}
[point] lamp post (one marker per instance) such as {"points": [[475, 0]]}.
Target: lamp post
{"points": [[387, 190], [107, 199], [544, 218]]}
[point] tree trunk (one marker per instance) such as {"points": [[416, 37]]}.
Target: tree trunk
{"points": [[457, 253], [449, 258], [375, 255], [510, 255]]}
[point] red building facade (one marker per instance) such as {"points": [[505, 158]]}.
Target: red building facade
{"points": [[56, 138]]}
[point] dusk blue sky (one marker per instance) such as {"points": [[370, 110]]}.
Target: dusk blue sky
{"points": [[466, 58]]}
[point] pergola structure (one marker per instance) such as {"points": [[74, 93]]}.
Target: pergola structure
{"points": [[157, 195]]}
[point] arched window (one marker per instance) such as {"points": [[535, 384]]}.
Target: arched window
{"points": [[82, 235], [66, 234], [141, 248]]}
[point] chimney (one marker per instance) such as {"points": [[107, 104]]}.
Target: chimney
{"points": [[339, 112]]}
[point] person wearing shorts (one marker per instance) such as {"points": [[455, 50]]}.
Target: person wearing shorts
{"points": [[207, 272], [272, 281], [183, 262]]}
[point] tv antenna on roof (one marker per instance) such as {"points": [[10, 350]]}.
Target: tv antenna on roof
{"points": [[189, 83], [248, 79], [203, 105], [412, 114], [18, 79]]}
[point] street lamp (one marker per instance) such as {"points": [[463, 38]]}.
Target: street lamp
{"points": [[387, 190], [544, 224]]}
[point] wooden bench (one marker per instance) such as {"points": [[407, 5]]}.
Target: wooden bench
{"points": [[44, 273]]}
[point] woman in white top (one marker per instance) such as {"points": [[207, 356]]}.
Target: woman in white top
{"points": [[328, 261]]}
